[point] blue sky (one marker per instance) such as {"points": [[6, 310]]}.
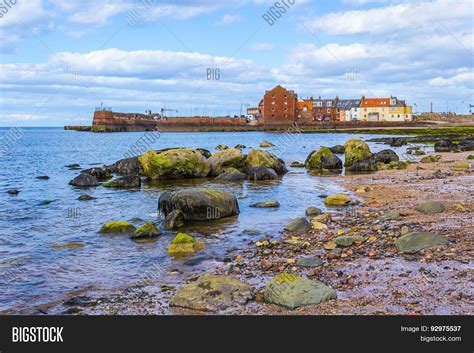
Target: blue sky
{"points": [[59, 60]]}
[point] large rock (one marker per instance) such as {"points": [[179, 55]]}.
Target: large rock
{"points": [[231, 157], [385, 156], [175, 164], [322, 160], [348, 240], [467, 144], [212, 293], [366, 166], [444, 146], [174, 219], [292, 291], [184, 245], [117, 227], [338, 149], [431, 207], [126, 182], [261, 173], [126, 166], [337, 200], [298, 225], [414, 242], [84, 180], [260, 158], [199, 204], [266, 204], [355, 151], [231, 174], [99, 173], [146, 231]]}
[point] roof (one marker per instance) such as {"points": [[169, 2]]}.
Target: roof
{"points": [[348, 104], [375, 102]]}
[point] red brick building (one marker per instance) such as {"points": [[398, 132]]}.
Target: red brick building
{"points": [[279, 106]]}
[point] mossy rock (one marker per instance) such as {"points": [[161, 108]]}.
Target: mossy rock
{"points": [[322, 160], [348, 240], [148, 230], [292, 291], [471, 156], [117, 227], [67, 246], [221, 147], [430, 159], [431, 207], [266, 144], [313, 211], [260, 158], [231, 157], [175, 164], [184, 245], [355, 151], [174, 219], [297, 165], [298, 225], [416, 241], [199, 204], [337, 200]]}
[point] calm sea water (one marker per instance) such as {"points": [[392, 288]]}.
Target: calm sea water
{"points": [[32, 272]]}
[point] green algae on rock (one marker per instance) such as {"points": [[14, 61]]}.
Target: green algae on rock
{"points": [[266, 144], [184, 245], [292, 291], [416, 241], [231, 157], [117, 227], [348, 240], [298, 225], [260, 158], [356, 150], [337, 200], [323, 159], [147, 230], [431, 207]]}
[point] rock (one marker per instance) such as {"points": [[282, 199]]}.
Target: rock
{"points": [[212, 293], [404, 230], [292, 291], [398, 142], [323, 218], [99, 173], [322, 160], [85, 198], [368, 165], [148, 230], [262, 173], [337, 200], [42, 177], [67, 246], [396, 165], [298, 225], [84, 181], [313, 211], [431, 207], [414, 242], [260, 158], [471, 156], [204, 152], [199, 204], [266, 204], [175, 164], [430, 159], [126, 182], [232, 174], [46, 202], [355, 151], [444, 146], [466, 144], [174, 219], [13, 192], [318, 225], [390, 216], [221, 147], [338, 149], [231, 157], [348, 240], [309, 262], [363, 190], [117, 227], [385, 156], [297, 165], [73, 166], [126, 166], [240, 147], [184, 245], [253, 232], [266, 144]]}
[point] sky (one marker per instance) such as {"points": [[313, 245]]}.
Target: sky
{"points": [[62, 59]]}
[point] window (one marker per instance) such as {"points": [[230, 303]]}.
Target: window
{"points": [[285, 109], [286, 103], [391, 110], [329, 110], [305, 108], [285, 96], [273, 102], [329, 104], [273, 109], [365, 109], [273, 96], [319, 104]]}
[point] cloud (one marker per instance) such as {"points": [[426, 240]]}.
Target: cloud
{"points": [[262, 47], [228, 19]]}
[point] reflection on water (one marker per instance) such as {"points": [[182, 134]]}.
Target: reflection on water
{"points": [[32, 272]]}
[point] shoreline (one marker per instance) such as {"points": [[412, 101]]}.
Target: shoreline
{"points": [[370, 279]]}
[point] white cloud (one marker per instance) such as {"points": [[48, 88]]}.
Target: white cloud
{"points": [[262, 47], [228, 19]]}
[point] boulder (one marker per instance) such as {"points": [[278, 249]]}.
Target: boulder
{"points": [[212, 293], [297, 165], [385, 156], [85, 197], [466, 144], [262, 173], [313, 211], [298, 225], [266, 144], [148, 230], [221, 147], [348, 240], [322, 160], [431, 207], [99, 173], [184, 245], [231, 157], [240, 147], [266, 204], [117, 227], [390, 216], [444, 146], [355, 151], [232, 174], [175, 164], [414, 242], [366, 166], [199, 204], [173, 220], [204, 152], [126, 166], [126, 182], [337, 200], [292, 291], [84, 181], [309, 262], [260, 158], [338, 149]]}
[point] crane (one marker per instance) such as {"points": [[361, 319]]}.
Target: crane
{"points": [[163, 110], [470, 108]]}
